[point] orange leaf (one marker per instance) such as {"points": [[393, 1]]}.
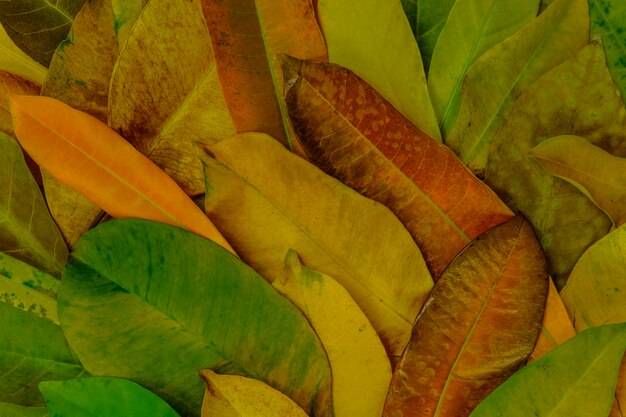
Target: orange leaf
{"points": [[355, 135], [84, 153], [477, 327]]}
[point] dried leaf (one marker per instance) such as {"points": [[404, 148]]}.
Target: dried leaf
{"points": [[579, 98], [238, 396], [38, 26], [593, 171], [478, 326], [27, 232], [84, 153], [358, 362], [165, 92], [563, 382], [12, 84], [354, 134], [14, 60], [267, 200], [180, 304], [472, 28], [359, 38], [553, 37]]}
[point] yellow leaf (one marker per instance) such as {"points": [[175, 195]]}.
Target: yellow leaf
{"points": [[358, 362], [238, 396], [87, 155], [13, 59]]}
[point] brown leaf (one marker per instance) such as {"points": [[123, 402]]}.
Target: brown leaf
{"points": [[477, 328], [351, 132]]}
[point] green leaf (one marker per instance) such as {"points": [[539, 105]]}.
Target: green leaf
{"points": [[578, 98], [410, 10], [501, 73], [593, 171], [178, 304], [27, 231], [38, 26], [375, 41], [28, 288], [608, 21], [472, 28], [99, 397], [431, 18], [14, 410], [266, 200], [594, 292], [32, 350], [14, 60], [577, 379]]}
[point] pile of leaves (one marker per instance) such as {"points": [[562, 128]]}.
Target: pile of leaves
{"points": [[312, 207]]}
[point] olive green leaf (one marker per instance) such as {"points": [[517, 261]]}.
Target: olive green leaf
{"points": [[32, 350], [27, 232], [608, 21], [101, 397], [577, 379], [410, 10], [473, 26], [155, 304], [431, 18], [27, 288], [38, 26], [576, 98], [266, 200], [359, 38], [14, 410], [501, 73], [13, 59]]}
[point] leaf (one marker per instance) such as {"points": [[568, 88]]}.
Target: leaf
{"points": [[553, 37], [28, 289], [431, 18], [104, 396], [38, 26], [12, 59], [14, 410], [556, 327], [563, 381], [267, 200], [358, 362], [161, 106], [477, 327], [593, 171], [410, 10], [607, 22], [84, 153], [32, 349], [12, 84], [245, 50], [472, 28], [238, 396], [593, 294], [180, 304], [576, 98], [359, 39], [26, 230], [339, 120]]}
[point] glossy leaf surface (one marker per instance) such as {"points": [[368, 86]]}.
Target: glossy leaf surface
{"points": [[27, 232], [553, 37], [32, 350], [595, 172], [238, 396], [338, 118], [38, 26], [179, 304], [478, 326], [564, 381], [357, 357], [570, 99], [103, 396], [472, 28], [267, 200], [84, 153], [358, 38]]}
